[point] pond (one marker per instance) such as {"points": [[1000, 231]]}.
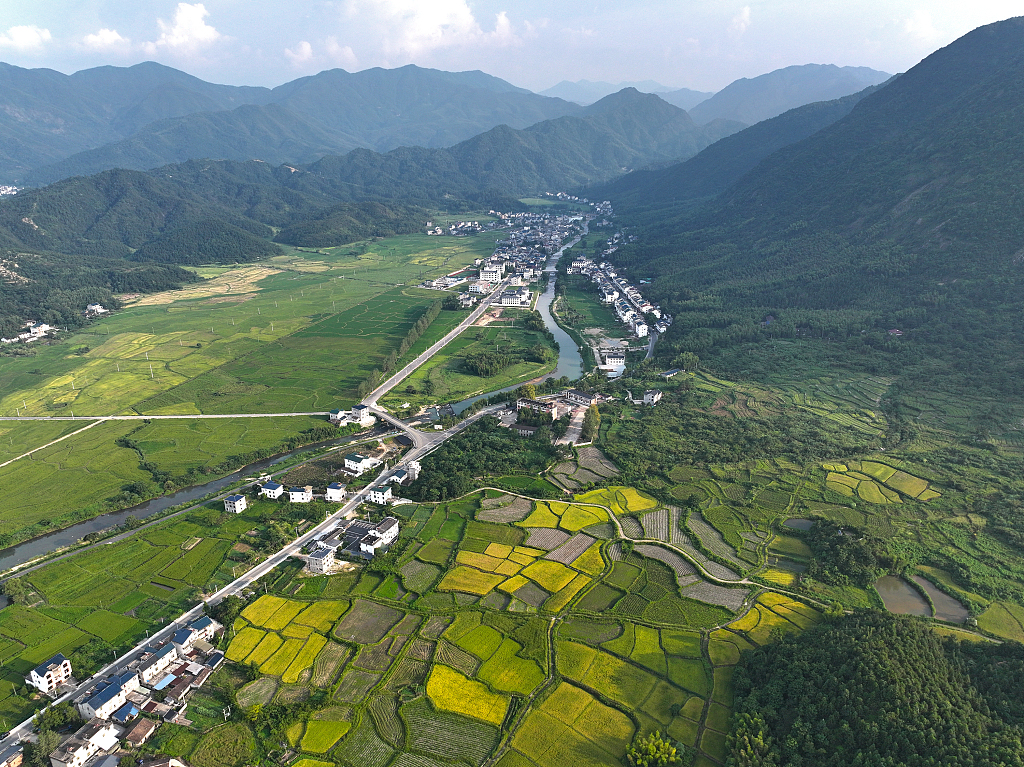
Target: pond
{"points": [[799, 524], [946, 608], [900, 597]]}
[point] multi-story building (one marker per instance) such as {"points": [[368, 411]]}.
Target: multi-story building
{"points": [[48, 676], [235, 504]]}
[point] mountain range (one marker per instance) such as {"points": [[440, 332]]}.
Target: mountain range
{"points": [[587, 92], [53, 126], [902, 216]]}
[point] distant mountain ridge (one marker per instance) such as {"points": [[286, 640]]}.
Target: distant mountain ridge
{"points": [[760, 98], [113, 114]]}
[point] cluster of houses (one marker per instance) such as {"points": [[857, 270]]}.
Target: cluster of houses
{"points": [[129, 704], [353, 538], [630, 306], [457, 229], [33, 332], [360, 415]]}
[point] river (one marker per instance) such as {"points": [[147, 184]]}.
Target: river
{"points": [[68, 536], [570, 361]]}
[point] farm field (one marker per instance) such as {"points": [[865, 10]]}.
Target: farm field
{"points": [[445, 377], [104, 600]]}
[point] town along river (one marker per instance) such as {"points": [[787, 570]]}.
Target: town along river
{"points": [[570, 361]]}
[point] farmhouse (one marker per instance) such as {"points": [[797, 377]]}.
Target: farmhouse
{"points": [[321, 560], [577, 397], [272, 490], [184, 640], [91, 739], [400, 476], [380, 494], [380, 536], [50, 675], [536, 406], [235, 504], [155, 662], [104, 698], [140, 732], [357, 463], [206, 627], [652, 397], [524, 431], [360, 414], [300, 494], [480, 287], [335, 492]]}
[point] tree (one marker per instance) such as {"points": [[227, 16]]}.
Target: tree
{"points": [[227, 610], [653, 751], [16, 589], [39, 756], [528, 391], [591, 424]]}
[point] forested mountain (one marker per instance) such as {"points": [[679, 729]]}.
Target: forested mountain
{"points": [[588, 91], [750, 100], [905, 214], [877, 689], [720, 165], [108, 113]]}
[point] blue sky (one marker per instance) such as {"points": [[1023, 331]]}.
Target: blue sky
{"points": [[701, 44]]}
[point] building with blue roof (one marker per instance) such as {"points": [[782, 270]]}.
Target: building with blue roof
{"points": [[48, 676], [236, 504], [125, 714], [272, 490]]}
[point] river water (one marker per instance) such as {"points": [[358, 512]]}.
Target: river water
{"points": [[45, 544]]}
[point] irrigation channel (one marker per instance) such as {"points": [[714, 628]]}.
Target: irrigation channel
{"points": [[68, 536], [570, 361]]}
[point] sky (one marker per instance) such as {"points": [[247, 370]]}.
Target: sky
{"points": [[699, 44]]}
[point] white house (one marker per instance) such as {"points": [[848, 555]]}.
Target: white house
{"points": [[103, 699], [91, 739], [95, 309], [156, 662], [380, 494], [641, 330], [300, 494], [577, 397], [614, 358], [480, 286], [652, 397], [357, 463], [50, 675], [321, 560], [184, 640], [414, 468], [379, 537], [399, 476], [491, 273], [335, 492], [235, 504], [272, 490], [205, 628]]}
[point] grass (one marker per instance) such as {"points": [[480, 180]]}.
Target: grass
{"points": [[230, 745], [451, 691]]}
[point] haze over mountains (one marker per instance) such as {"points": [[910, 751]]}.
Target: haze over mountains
{"points": [[53, 126], [587, 92]]}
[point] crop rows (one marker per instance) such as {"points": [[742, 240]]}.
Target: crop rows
{"points": [[327, 663], [593, 459], [365, 748], [631, 527], [546, 538], [405, 759], [457, 658], [375, 657], [717, 595], [445, 735], [435, 626], [711, 538], [421, 649], [384, 710], [532, 594], [656, 525], [409, 671], [685, 573], [571, 550], [355, 684], [615, 552], [516, 511]]}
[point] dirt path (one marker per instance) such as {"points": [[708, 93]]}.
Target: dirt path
{"points": [[54, 442]]}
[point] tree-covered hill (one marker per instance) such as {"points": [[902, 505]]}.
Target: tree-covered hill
{"points": [[903, 215], [879, 690]]}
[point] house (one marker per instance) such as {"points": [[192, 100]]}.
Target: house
{"points": [[235, 504], [577, 397], [272, 490], [300, 494], [614, 358], [521, 297], [524, 431], [95, 736], [641, 330], [480, 287], [380, 494], [491, 273], [50, 675], [12, 756], [357, 463], [363, 416], [466, 300], [206, 627], [652, 397], [380, 536], [321, 560], [184, 640], [670, 373], [335, 492], [95, 309], [103, 699], [139, 733], [337, 416], [536, 406], [125, 714], [156, 662], [414, 468], [400, 476]]}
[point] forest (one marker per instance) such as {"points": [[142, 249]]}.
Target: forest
{"points": [[877, 689]]}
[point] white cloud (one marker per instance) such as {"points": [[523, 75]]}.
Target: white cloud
{"points": [[302, 54], [740, 22], [105, 39], [341, 55], [25, 38], [920, 26], [412, 28], [188, 31]]}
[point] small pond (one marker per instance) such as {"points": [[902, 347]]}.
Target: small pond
{"points": [[796, 523], [900, 597], [946, 608]]}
